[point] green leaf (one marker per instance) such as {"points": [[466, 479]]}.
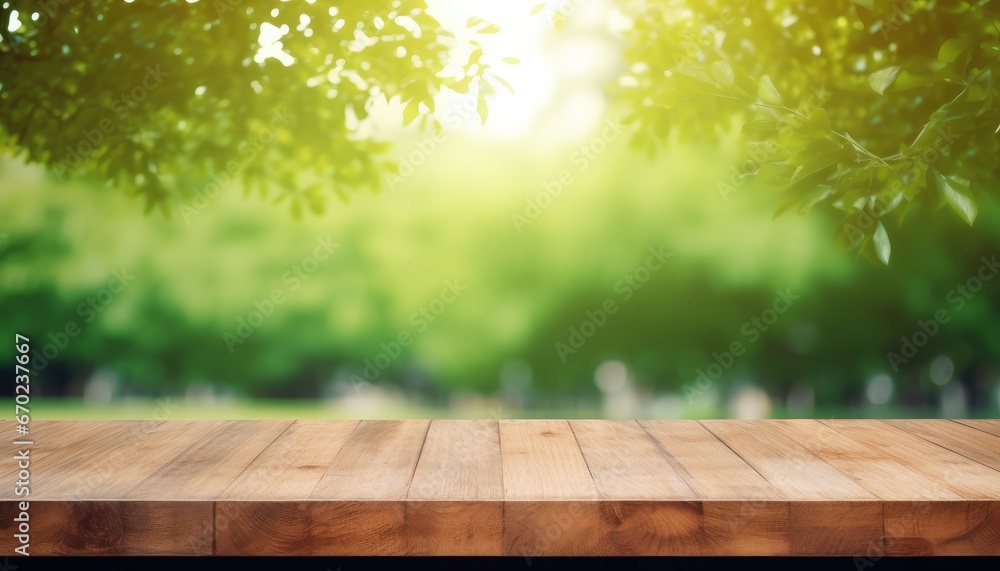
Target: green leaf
{"points": [[504, 83], [881, 241], [485, 89], [960, 202], [951, 49], [870, 4], [774, 174], [538, 8], [819, 122], [883, 78], [489, 29], [481, 107], [410, 112], [767, 92], [815, 196], [694, 71], [723, 73], [849, 235], [474, 56], [511, 60], [474, 21], [819, 153]]}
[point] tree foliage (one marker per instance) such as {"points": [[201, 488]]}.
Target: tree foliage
{"points": [[173, 99], [869, 108]]}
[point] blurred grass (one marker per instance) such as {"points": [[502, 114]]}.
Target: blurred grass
{"points": [[143, 408]]}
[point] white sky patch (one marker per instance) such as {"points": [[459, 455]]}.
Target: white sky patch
{"points": [[14, 23], [270, 47], [558, 82], [521, 36]]}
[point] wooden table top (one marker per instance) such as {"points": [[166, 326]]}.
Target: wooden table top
{"points": [[511, 487]]}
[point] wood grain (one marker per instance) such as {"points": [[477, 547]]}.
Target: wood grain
{"points": [[741, 512], [549, 492], [512, 487], [974, 444], [292, 466], [209, 466], [649, 508], [885, 476], [377, 462], [65, 446], [990, 426], [136, 456], [829, 513], [949, 471], [113, 528], [460, 461]]}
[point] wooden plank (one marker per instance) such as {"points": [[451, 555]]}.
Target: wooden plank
{"points": [[648, 508], [548, 491], [211, 464], [373, 470], [314, 527], [742, 513], [874, 470], [991, 426], [542, 461], [710, 468], [965, 440], [460, 461], [46, 436], [829, 513], [456, 498], [791, 468], [626, 463], [942, 528], [70, 442], [292, 466], [96, 439], [376, 462], [921, 517], [110, 476], [950, 471], [522, 488], [45, 432], [113, 528]]}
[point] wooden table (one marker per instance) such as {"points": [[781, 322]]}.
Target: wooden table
{"points": [[863, 488]]}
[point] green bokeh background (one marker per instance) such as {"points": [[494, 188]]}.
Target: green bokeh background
{"points": [[494, 349], [533, 265]]}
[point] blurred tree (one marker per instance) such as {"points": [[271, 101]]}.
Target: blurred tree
{"points": [[177, 98], [871, 107]]}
